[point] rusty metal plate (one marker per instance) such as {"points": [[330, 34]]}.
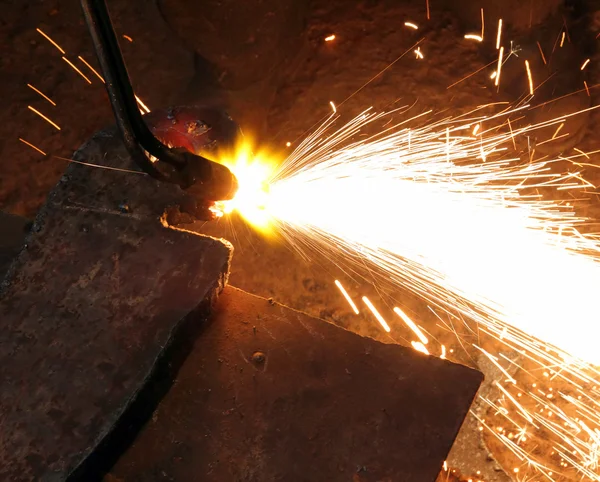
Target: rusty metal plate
{"points": [[271, 394], [95, 317], [12, 232]]}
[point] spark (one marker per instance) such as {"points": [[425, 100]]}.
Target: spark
{"points": [[512, 134], [127, 37], [418, 53], [471, 74], [347, 296], [288, 144], [542, 53], [585, 64], [581, 152], [411, 324], [376, 76], [100, 166], [586, 88], [53, 124], [330, 38], [376, 313], [494, 360], [32, 146], [411, 25], [332, 106], [471, 36], [427, 9], [77, 70], [529, 78], [42, 94], [558, 129], [51, 41], [144, 107], [419, 347], [499, 69], [562, 39], [476, 129], [499, 35], [519, 407], [92, 69], [482, 23]]}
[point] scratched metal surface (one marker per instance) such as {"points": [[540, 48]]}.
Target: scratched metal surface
{"points": [[91, 316], [272, 394]]}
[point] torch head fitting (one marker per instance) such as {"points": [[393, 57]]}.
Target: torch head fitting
{"points": [[208, 180]]}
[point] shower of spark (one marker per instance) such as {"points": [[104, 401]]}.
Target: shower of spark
{"points": [[463, 235], [453, 218]]}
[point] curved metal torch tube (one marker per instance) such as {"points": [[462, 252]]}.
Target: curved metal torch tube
{"points": [[134, 130], [211, 180]]}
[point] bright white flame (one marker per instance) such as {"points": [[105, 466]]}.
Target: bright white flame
{"points": [[253, 172]]}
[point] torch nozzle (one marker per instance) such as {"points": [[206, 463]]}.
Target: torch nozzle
{"points": [[208, 179]]}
